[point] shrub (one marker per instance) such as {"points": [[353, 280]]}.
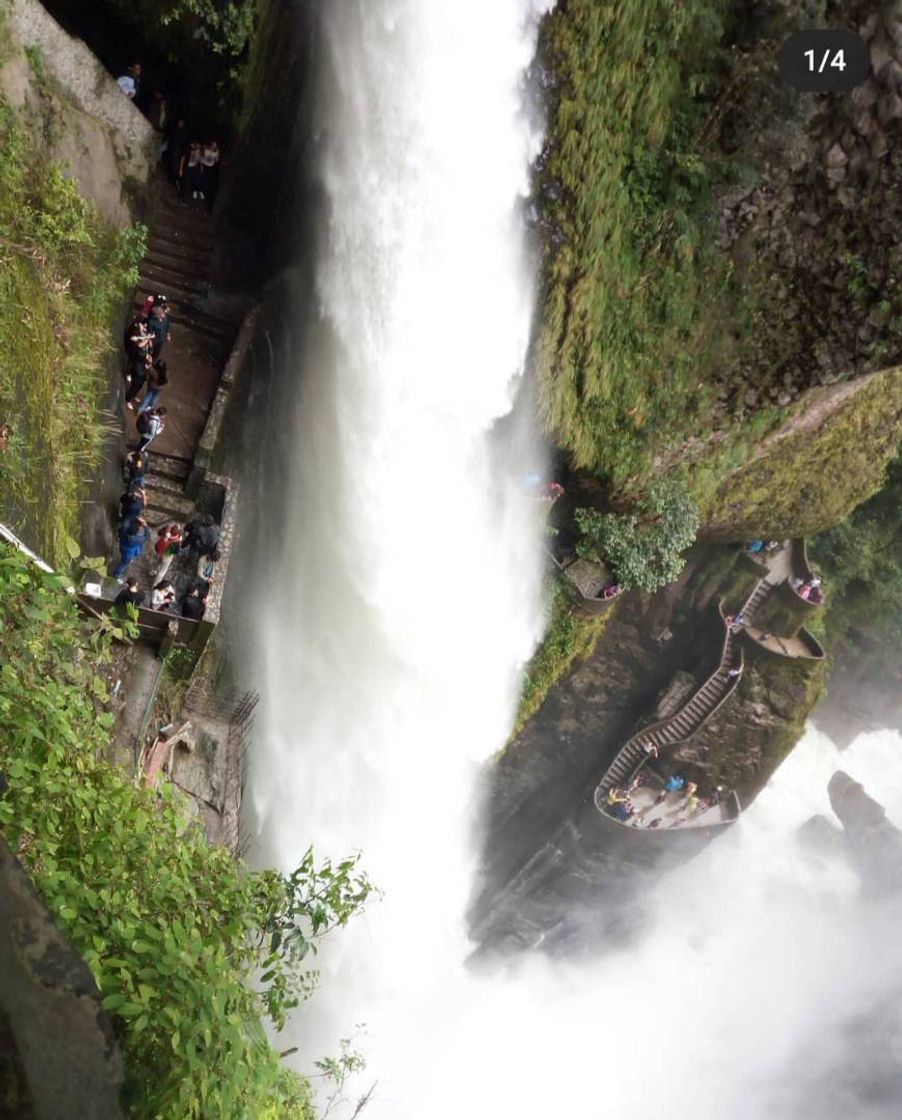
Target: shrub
{"points": [[644, 547]]}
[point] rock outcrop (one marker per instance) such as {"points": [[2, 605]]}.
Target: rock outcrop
{"points": [[58, 1057], [88, 124], [873, 844]]}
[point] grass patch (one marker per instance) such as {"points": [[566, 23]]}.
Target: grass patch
{"points": [[632, 313], [569, 638], [64, 276]]}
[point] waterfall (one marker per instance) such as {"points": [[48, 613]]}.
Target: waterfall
{"points": [[401, 589]]}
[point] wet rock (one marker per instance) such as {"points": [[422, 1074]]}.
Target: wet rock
{"points": [[865, 94], [878, 145], [889, 108], [821, 836], [874, 845], [880, 54]]}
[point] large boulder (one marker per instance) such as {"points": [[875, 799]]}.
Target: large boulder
{"points": [[874, 845], [58, 1057]]}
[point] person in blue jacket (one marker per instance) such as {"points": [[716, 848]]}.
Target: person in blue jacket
{"points": [[133, 538]]}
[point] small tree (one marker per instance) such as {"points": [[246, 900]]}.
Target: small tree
{"points": [[644, 547]]}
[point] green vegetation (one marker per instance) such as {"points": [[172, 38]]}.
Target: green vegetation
{"points": [[644, 548], [631, 276], [568, 640], [862, 561], [814, 471], [64, 275], [191, 950], [221, 26]]}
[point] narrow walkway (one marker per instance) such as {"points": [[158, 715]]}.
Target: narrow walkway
{"points": [[178, 263]]}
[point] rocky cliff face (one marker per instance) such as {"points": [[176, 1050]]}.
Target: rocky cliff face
{"points": [[817, 219], [86, 122], [549, 859]]}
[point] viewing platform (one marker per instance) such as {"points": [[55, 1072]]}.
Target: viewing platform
{"points": [[636, 790]]}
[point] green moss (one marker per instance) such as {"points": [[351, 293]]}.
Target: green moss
{"points": [[569, 639], [631, 278], [64, 275], [742, 749], [862, 562], [813, 473]]}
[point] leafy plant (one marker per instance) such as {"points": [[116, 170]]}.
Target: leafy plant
{"points": [[190, 949], [643, 547]]}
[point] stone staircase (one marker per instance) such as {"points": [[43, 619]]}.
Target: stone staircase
{"points": [[686, 721], [178, 262]]}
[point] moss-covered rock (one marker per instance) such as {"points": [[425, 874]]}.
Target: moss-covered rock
{"points": [[748, 738], [828, 457]]}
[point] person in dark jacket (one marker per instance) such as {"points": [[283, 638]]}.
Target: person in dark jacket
{"points": [[135, 469], [194, 602], [133, 536], [158, 324], [131, 593], [131, 504], [138, 373], [201, 536]]}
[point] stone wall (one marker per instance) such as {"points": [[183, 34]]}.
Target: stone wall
{"points": [[83, 80]]}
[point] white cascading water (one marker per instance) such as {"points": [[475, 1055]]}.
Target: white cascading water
{"points": [[400, 595], [403, 586]]}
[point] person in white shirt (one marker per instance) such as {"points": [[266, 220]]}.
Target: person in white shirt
{"points": [[163, 596], [210, 171], [129, 82]]}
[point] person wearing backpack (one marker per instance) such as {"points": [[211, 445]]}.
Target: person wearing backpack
{"points": [[149, 425]]}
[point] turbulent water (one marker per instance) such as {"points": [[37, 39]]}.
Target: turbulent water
{"points": [[400, 594]]}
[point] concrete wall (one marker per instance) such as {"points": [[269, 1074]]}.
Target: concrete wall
{"points": [[83, 79]]}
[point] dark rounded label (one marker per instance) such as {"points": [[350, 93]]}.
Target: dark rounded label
{"points": [[824, 61]]}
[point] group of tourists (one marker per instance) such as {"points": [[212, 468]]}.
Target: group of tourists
{"points": [[145, 367], [197, 542], [191, 160], [147, 372], [676, 793], [194, 166]]}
